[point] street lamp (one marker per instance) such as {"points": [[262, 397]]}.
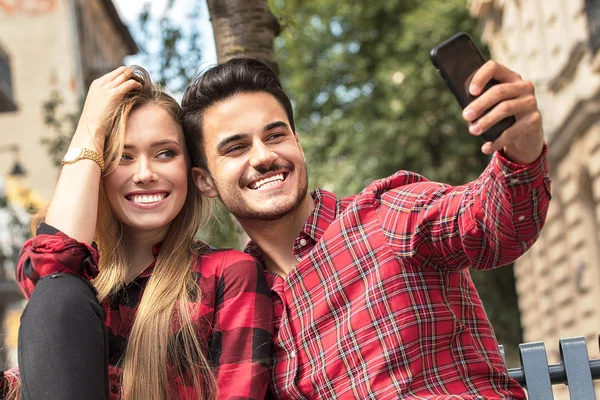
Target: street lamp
{"points": [[17, 169]]}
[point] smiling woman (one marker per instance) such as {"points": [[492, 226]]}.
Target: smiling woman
{"points": [[148, 187], [144, 311]]}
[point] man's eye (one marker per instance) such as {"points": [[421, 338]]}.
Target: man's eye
{"points": [[234, 149], [166, 154], [276, 136]]}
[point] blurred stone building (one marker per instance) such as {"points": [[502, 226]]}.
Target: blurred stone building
{"points": [[56, 47], [52, 49], [554, 44], [8, 291]]}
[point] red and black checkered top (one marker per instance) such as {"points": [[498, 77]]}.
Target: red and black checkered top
{"points": [[234, 317], [381, 304]]}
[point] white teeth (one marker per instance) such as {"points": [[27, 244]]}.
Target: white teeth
{"points": [[147, 199], [268, 182]]}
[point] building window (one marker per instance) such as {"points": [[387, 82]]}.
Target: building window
{"points": [[6, 88], [592, 8]]}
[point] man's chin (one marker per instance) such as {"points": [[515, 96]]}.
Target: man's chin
{"points": [[267, 211], [262, 214]]}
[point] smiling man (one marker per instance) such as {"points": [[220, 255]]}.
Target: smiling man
{"points": [[372, 293], [263, 185]]}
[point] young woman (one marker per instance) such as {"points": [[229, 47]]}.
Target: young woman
{"points": [[145, 311]]}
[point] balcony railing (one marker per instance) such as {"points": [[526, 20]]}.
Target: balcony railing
{"points": [[592, 8]]}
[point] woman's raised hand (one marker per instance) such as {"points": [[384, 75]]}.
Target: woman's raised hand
{"points": [[104, 96]]}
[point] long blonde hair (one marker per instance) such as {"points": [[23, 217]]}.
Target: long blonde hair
{"points": [[152, 349]]}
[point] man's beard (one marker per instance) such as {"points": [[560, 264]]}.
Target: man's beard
{"points": [[242, 212]]}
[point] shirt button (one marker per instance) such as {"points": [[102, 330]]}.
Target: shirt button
{"points": [[514, 182], [114, 389], [302, 242], [293, 353], [521, 218]]}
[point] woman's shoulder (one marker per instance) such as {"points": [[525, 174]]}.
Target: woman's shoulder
{"points": [[210, 260], [230, 273]]}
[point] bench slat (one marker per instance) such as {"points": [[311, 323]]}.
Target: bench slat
{"points": [[574, 355], [535, 368]]}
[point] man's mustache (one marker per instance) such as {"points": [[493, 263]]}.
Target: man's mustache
{"points": [[261, 171]]}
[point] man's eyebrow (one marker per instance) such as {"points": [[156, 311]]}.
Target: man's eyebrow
{"points": [[155, 144], [276, 124]]}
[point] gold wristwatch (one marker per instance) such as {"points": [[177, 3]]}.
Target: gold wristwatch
{"points": [[76, 153]]}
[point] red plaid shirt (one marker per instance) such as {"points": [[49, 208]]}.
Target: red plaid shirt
{"points": [[235, 317], [381, 303]]}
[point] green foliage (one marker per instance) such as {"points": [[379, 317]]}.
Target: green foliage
{"points": [[169, 51], [497, 291], [220, 230], [368, 102]]}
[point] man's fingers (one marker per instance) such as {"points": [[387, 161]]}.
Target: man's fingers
{"points": [[488, 71], [492, 97], [526, 123], [519, 105], [495, 95], [502, 140]]}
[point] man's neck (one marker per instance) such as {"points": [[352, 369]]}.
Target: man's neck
{"points": [[276, 238]]}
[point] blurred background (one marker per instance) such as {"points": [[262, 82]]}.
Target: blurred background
{"points": [[367, 100]]}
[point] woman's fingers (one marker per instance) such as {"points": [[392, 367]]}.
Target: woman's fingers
{"points": [[110, 76]]}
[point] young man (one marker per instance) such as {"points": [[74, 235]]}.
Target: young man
{"points": [[372, 293]]}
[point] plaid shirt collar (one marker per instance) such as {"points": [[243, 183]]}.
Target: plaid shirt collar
{"points": [[150, 268], [327, 208]]}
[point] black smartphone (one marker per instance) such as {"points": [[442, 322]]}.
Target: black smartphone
{"points": [[457, 60]]}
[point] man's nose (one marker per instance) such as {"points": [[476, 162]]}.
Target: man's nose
{"points": [[262, 156], [144, 172]]}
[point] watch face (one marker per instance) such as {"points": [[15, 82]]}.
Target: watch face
{"points": [[72, 154]]}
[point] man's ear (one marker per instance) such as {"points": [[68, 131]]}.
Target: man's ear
{"points": [[204, 182]]}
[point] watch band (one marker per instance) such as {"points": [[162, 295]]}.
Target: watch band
{"points": [[86, 154]]}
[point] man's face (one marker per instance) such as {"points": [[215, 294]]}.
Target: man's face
{"points": [[256, 165]]}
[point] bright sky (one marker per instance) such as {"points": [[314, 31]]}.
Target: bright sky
{"points": [[130, 9]]}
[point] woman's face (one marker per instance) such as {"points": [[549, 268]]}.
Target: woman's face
{"points": [[148, 188]]}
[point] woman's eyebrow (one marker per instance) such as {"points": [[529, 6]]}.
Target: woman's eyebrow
{"points": [[155, 144]]}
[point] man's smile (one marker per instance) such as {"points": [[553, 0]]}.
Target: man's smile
{"points": [[267, 182]]}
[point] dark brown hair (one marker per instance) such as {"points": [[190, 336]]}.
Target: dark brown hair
{"points": [[219, 83]]}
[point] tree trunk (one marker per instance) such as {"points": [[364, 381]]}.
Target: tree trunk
{"points": [[244, 28]]}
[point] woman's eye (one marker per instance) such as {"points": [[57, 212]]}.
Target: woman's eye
{"points": [[126, 157], [167, 154]]}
